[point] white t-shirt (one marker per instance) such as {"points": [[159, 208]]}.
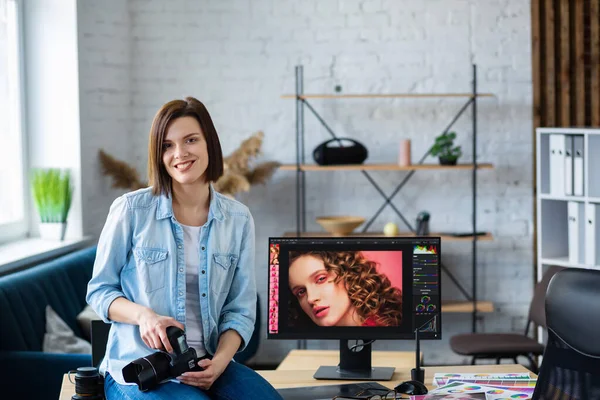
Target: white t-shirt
{"points": [[193, 318]]}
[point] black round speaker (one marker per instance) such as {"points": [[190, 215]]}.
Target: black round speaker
{"points": [[340, 151]]}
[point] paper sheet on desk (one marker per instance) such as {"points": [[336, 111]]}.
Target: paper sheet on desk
{"points": [[501, 383], [441, 379], [477, 396], [464, 396], [463, 390]]}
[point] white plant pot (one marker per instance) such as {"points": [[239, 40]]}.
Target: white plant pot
{"points": [[53, 230]]}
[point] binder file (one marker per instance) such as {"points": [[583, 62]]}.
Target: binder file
{"points": [[557, 165], [569, 165], [576, 228], [590, 234], [578, 165]]}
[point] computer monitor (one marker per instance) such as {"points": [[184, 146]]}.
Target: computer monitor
{"points": [[354, 288]]}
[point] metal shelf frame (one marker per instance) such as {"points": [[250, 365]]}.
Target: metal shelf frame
{"points": [[302, 102]]}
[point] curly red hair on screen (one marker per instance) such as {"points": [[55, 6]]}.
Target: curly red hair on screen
{"points": [[371, 292]]}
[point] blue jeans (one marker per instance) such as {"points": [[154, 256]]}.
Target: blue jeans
{"points": [[236, 382]]}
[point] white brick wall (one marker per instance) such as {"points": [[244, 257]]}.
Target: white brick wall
{"points": [[105, 100], [238, 57]]}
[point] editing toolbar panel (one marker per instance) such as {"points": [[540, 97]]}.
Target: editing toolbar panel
{"points": [[426, 287]]}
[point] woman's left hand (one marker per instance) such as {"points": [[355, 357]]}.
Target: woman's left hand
{"points": [[204, 379]]}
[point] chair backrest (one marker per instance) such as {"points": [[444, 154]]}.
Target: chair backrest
{"points": [[537, 311], [99, 338], [571, 362]]}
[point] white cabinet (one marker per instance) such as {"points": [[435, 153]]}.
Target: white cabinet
{"points": [[568, 197]]}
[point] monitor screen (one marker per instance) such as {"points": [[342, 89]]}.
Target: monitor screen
{"points": [[354, 288]]}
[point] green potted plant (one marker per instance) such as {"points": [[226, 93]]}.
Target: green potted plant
{"points": [[445, 149], [52, 195]]}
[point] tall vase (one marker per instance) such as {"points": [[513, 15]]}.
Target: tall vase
{"points": [[53, 230], [404, 153]]}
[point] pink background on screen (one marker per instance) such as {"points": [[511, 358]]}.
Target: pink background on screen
{"points": [[388, 263]]}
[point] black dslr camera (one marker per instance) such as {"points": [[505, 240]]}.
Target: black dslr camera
{"points": [[147, 372]]}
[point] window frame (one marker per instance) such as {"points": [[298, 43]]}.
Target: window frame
{"points": [[16, 230]]}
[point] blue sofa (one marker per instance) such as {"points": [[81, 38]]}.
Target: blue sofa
{"points": [[27, 372]]}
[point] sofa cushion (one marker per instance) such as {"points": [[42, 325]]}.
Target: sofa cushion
{"points": [[59, 338], [24, 295]]}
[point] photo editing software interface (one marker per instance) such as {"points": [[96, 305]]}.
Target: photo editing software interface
{"points": [[354, 288]]}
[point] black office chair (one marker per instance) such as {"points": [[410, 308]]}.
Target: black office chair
{"points": [[500, 346], [571, 364]]}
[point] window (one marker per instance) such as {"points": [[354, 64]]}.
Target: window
{"points": [[13, 188]]}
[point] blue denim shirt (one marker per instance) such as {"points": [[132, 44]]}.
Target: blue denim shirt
{"points": [[140, 257]]}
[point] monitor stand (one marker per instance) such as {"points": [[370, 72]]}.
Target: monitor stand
{"points": [[355, 365]]}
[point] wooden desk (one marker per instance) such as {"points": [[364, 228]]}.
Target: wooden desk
{"points": [[286, 379], [290, 378], [312, 359]]}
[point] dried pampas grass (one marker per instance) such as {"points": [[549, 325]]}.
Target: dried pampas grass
{"points": [[262, 172], [230, 184], [124, 176]]}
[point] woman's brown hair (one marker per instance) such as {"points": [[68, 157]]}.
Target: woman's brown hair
{"points": [[158, 176], [370, 292]]}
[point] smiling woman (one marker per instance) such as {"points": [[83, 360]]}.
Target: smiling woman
{"points": [[179, 254]]}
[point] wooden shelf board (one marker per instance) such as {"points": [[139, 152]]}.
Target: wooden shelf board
{"points": [[383, 95], [487, 237], [467, 306], [382, 167]]}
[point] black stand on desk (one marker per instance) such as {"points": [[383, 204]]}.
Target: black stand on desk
{"points": [[355, 364], [418, 373]]}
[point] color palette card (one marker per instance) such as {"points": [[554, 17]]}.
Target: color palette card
{"points": [[503, 383], [441, 379], [462, 396], [522, 391], [459, 389]]}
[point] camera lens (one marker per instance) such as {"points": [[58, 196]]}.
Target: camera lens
{"points": [[147, 372], [88, 384]]}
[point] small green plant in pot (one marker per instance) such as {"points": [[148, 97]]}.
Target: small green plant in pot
{"points": [[52, 195], [445, 149]]}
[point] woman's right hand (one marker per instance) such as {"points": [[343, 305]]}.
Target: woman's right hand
{"points": [[153, 329]]}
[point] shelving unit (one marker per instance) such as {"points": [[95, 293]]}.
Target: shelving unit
{"points": [[568, 234], [472, 304], [568, 225]]}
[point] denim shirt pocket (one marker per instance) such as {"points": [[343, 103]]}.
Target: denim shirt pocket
{"points": [[222, 272], [151, 267]]}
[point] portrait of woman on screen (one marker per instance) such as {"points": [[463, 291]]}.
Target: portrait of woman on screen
{"points": [[343, 288]]}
